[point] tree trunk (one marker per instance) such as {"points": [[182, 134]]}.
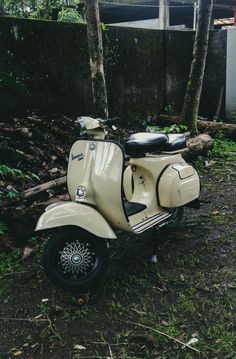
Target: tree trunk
{"points": [[228, 129], [94, 35], [194, 87]]}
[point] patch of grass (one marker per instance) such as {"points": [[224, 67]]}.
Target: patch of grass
{"points": [[223, 148], [11, 262]]}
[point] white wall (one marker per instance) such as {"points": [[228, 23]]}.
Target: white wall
{"points": [[231, 73]]}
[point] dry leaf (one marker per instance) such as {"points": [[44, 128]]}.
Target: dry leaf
{"points": [[209, 163], [79, 347], [38, 316], [27, 251], [163, 322], [19, 352], [192, 342]]}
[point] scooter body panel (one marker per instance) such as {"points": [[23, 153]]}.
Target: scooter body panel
{"points": [[145, 173], [76, 214], [178, 186], [97, 166]]}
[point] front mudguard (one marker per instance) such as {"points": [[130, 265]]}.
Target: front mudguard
{"points": [[75, 214]]}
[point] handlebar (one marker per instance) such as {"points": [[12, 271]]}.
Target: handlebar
{"points": [[115, 121], [89, 123]]}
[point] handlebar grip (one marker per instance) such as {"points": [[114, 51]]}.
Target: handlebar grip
{"points": [[115, 121]]}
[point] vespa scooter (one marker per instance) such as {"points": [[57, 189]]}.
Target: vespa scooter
{"points": [[106, 196]]}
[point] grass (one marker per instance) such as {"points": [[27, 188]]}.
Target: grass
{"points": [[11, 262]]}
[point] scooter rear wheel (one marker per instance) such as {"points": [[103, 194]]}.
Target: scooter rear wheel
{"points": [[75, 260]]}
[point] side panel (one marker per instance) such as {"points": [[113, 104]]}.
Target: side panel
{"points": [[178, 186], [76, 214], [145, 172]]}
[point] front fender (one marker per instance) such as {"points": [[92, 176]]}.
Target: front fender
{"points": [[76, 214]]}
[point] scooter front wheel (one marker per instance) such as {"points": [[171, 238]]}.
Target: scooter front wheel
{"points": [[75, 260]]}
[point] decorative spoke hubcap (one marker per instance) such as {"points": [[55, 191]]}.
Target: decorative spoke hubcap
{"points": [[76, 258]]}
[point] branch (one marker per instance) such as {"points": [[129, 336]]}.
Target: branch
{"points": [[35, 190], [164, 334]]}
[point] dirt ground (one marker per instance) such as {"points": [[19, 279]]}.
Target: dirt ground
{"points": [[140, 310]]}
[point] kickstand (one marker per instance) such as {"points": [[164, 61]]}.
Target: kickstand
{"points": [[155, 234]]}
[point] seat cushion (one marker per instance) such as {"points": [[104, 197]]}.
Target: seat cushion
{"points": [[141, 143], [175, 142]]}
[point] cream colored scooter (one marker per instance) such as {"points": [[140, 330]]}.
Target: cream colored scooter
{"points": [[107, 197]]}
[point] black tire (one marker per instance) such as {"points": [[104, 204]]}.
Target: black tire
{"points": [[75, 260], [175, 219]]}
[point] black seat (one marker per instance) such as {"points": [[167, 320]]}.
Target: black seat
{"points": [[141, 143], [175, 142]]}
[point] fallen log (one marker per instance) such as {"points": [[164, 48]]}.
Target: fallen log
{"points": [[210, 127], [21, 131], [197, 146], [35, 190]]}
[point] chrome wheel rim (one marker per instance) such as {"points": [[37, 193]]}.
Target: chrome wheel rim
{"points": [[76, 258]]}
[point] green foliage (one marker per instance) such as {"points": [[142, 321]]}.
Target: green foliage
{"points": [[172, 129], [103, 26], [169, 109], [12, 173], [223, 148], [37, 9], [8, 174], [69, 15], [6, 171], [42, 9], [7, 80], [11, 195], [10, 262]]}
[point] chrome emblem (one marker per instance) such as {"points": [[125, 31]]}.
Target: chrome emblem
{"points": [[92, 146], [79, 157]]}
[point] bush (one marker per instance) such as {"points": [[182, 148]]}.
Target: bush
{"points": [[69, 15]]}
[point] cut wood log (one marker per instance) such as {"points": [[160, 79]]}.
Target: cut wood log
{"points": [[210, 127], [22, 131], [197, 146], [35, 190]]}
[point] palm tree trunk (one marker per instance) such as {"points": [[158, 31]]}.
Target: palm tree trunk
{"points": [[94, 35], [194, 87]]}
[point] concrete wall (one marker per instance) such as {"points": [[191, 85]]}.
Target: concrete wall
{"points": [[134, 71], [179, 47], [51, 59], [145, 69], [231, 74]]}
